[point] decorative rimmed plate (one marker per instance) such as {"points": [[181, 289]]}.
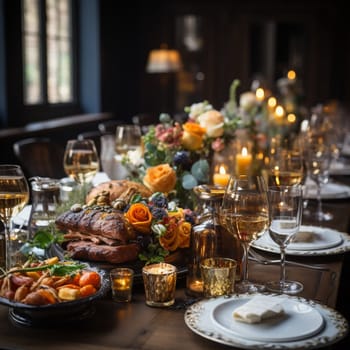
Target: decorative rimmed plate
{"points": [[207, 318], [299, 321], [56, 314], [326, 241]]}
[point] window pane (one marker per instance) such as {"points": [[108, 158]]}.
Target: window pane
{"points": [[59, 51], [31, 47]]}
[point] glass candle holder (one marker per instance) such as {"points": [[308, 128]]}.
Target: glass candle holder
{"points": [[218, 276], [160, 284], [121, 284]]}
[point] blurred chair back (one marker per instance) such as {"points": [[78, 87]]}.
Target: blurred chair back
{"points": [[40, 157], [109, 126]]}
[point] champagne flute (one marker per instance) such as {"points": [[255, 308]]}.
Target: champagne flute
{"points": [[285, 212], [14, 195], [81, 161], [245, 211]]}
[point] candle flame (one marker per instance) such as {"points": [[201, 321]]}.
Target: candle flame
{"points": [[244, 151], [222, 170]]}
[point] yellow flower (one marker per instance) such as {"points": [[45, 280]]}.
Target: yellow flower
{"points": [[178, 214], [192, 138], [160, 178], [183, 231]]}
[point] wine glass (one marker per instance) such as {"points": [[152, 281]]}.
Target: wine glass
{"points": [[319, 157], [81, 161], [14, 195], [128, 138], [286, 166], [285, 212], [245, 212]]}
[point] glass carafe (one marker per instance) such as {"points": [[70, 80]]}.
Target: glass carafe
{"points": [[205, 236], [45, 199]]}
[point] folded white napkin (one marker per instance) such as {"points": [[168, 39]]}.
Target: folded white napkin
{"points": [[259, 308], [303, 237]]}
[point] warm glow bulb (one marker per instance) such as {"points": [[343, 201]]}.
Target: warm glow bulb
{"points": [[291, 117], [279, 111], [260, 94], [291, 74], [272, 102]]}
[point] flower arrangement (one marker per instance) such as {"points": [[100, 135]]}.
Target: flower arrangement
{"points": [[176, 157], [162, 226]]}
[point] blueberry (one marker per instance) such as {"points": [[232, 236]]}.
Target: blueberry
{"points": [[183, 159]]}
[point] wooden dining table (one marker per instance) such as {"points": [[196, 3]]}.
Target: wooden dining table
{"points": [[135, 325]]}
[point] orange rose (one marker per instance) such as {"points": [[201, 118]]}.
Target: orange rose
{"points": [[169, 240], [192, 137], [139, 217], [160, 178], [183, 231]]}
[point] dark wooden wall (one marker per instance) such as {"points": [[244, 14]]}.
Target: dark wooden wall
{"points": [[127, 36]]}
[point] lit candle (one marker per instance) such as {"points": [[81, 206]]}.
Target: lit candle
{"points": [[196, 286], [121, 284], [160, 283], [221, 178], [243, 162]]}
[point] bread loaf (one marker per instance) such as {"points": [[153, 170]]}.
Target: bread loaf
{"points": [[117, 188]]}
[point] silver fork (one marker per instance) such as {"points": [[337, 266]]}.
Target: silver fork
{"points": [[255, 256]]}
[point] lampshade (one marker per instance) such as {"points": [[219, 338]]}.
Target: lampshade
{"points": [[163, 61]]}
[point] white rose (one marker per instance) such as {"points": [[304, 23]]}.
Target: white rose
{"points": [[198, 108], [213, 122], [247, 101]]}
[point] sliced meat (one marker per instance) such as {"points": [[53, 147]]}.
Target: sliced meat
{"points": [[114, 254]]}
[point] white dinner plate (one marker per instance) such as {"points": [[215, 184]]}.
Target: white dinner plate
{"points": [[331, 190], [209, 319], [339, 168], [326, 241], [299, 321]]}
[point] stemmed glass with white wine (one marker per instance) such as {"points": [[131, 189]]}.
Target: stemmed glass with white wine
{"points": [[244, 211], [286, 163], [81, 161], [128, 138], [285, 212], [319, 157], [14, 195]]}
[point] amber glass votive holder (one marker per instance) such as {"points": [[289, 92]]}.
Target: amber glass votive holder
{"points": [[160, 284], [218, 276], [121, 284]]}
